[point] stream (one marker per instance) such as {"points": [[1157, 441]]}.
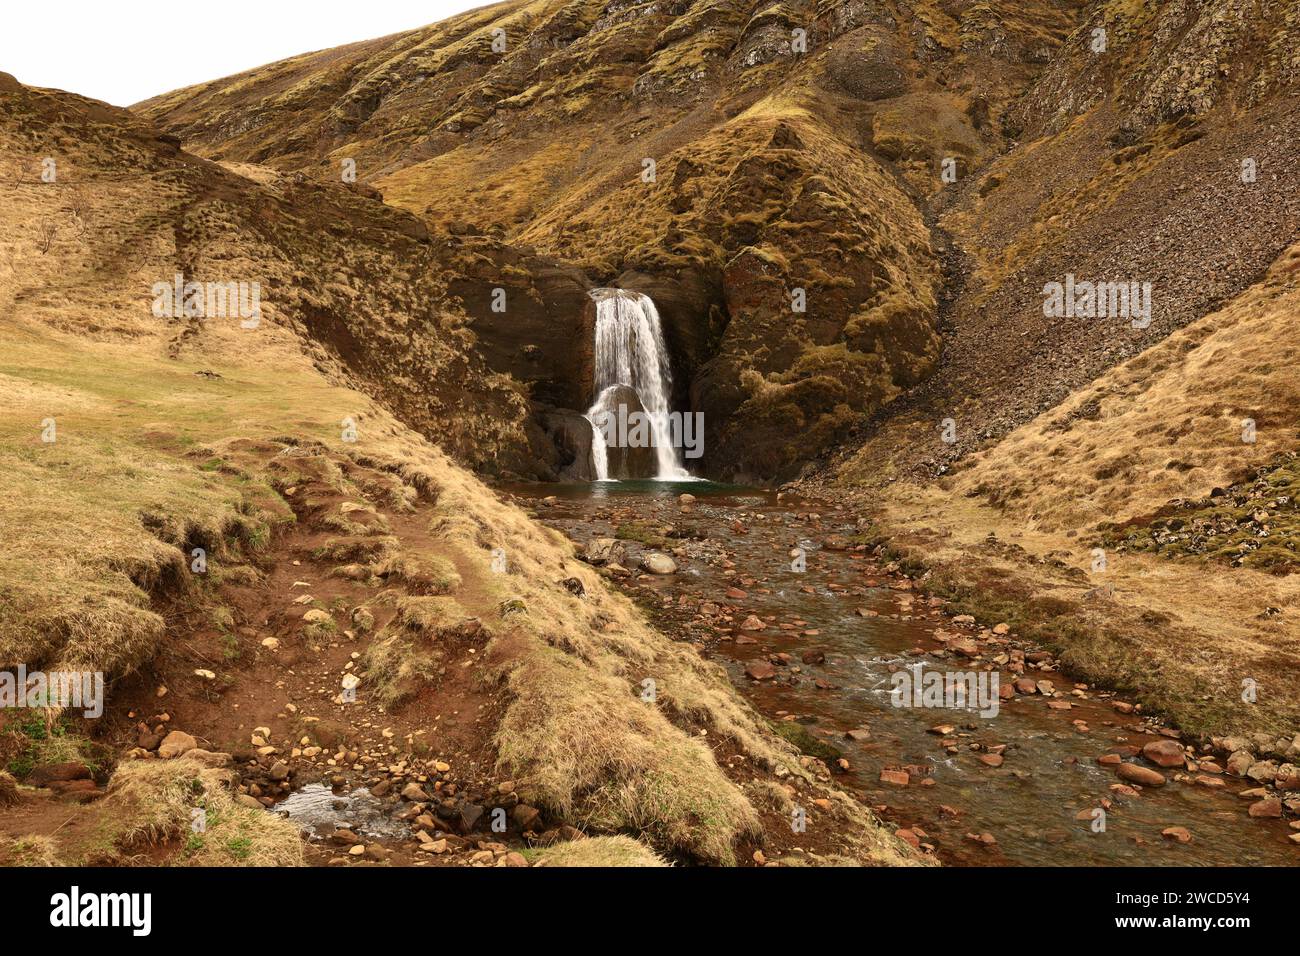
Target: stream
{"points": [[870, 624]]}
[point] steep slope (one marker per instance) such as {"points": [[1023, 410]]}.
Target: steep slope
{"points": [[1146, 527], [1124, 489], [753, 168], [1165, 159], [173, 480]]}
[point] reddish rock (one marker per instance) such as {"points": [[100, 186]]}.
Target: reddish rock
{"points": [[1176, 833], [761, 670], [1164, 753], [1141, 775], [908, 837], [991, 760], [1268, 808], [897, 778]]}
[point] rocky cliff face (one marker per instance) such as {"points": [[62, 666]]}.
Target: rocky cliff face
{"points": [[755, 169], [1155, 147]]}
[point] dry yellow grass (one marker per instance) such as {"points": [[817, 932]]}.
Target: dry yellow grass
{"points": [[1165, 425], [598, 852]]}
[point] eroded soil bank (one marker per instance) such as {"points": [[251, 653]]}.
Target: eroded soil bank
{"points": [[816, 651]]}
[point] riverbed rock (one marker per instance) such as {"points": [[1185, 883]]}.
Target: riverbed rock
{"points": [[1181, 834], [1263, 771], [1141, 775], [1164, 753], [1239, 762], [657, 563], [1268, 808], [600, 551], [761, 670]]}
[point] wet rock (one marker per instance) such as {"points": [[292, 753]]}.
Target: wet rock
{"points": [[1268, 808], [1180, 834], [895, 778], [657, 563], [1263, 771], [1164, 753], [813, 657], [761, 670], [1141, 775], [1239, 762], [604, 551]]}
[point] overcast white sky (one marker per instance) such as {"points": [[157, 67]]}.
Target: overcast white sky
{"points": [[124, 51]]}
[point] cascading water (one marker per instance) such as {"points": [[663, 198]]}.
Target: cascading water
{"points": [[630, 355]]}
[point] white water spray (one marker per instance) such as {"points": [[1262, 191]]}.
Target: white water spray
{"points": [[630, 351]]}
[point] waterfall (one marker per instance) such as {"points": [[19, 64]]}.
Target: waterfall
{"points": [[630, 353]]}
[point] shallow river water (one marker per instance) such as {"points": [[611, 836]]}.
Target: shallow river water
{"points": [[741, 538]]}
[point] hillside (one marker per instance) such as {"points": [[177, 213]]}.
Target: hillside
{"points": [[774, 170], [1166, 160], [857, 221], [229, 521]]}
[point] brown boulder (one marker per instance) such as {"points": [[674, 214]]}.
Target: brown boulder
{"points": [[1141, 775], [1164, 753]]}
